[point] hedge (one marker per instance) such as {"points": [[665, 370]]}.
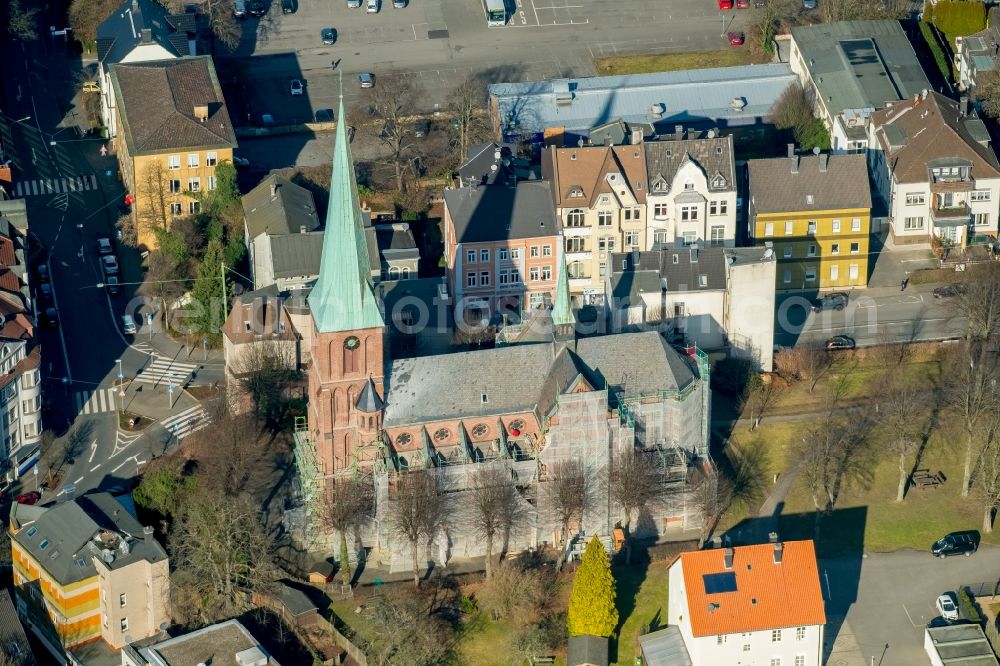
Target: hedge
{"points": [[957, 17]]}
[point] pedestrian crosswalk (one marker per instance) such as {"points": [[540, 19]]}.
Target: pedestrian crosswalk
{"points": [[95, 402], [163, 371], [29, 188], [189, 421]]}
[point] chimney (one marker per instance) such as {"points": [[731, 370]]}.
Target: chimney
{"points": [[772, 537], [824, 160], [147, 36], [791, 150], [729, 558], [201, 112], [795, 163], [678, 132], [778, 549], [147, 534], [274, 189], [963, 106], [635, 259], [302, 228]]}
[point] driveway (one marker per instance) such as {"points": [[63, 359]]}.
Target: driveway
{"points": [[893, 601]]}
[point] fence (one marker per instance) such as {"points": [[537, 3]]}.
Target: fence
{"points": [[352, 650]]}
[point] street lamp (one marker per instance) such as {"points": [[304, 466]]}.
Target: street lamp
{"points": [[170, 393], [121, 385]]}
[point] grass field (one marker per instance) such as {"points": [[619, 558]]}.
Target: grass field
{"points": [[642, 601], [670, 62]]}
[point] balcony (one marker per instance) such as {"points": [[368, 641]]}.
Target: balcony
{"points": [[576, 232], [579, 256], [952, 216], [579, 282]]}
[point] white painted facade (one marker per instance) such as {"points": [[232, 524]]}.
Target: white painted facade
{"points": [[20, 408], [696, 315], [696, 207], [750, 305], [785, 646]]}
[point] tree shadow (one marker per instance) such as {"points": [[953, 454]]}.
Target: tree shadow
{"points": [[628, 582]]}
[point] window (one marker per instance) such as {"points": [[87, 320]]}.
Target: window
{"points": [[856, 224], [853, 272], [720, 207], [688, 186], [606, 244], [718, 234], [176, 209], [603, 268], [769, 229], [981, 219], [812, 226], [788, 252], [776, 661], [211, 183], [193, 161], [546, 272], [689, 212], [194, 207], [574, 218], [720, 639], [502, 254], [502, 276], [690, 237], [175, 185], [124, 624], [194, 184], [604, 218], [800, 660], [515, 253], [574, 245], [122, 600], [980, 195], [660, 211], [44, 544], [533, 252], [546, 250], [915, 199], [836, 226], [811, 250], [533, 274], [776, 635], [174, 162], [789, 228], [834, 272], [787, 276], [913, 223], [746, 647], [576, 270], [810, 275], [632, 239], [855, 248], [484, 279], [800, 635], [628, 214], [702, 280], [470, 280], [835, 248], [484, 256], [211, 159], [660, 237], [470, 257]]}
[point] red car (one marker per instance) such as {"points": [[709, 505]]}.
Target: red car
{"points": [[725, 4], [29, 498], [742, 4], [736, 38]]}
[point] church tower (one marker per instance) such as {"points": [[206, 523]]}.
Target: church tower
{"points": [[348, 330]]}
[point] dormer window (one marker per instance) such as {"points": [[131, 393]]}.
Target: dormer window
{"points": [[718, 182], [688, 186], [576, 192], [659, 185]]}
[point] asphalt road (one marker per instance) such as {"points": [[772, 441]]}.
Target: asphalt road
{"points": [[892, 602]]}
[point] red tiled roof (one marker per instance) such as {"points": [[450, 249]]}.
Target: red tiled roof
{"points": [[8, 280], [30, 362], [7, 256], [767, 595]]}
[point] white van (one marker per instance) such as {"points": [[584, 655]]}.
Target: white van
{"points": [[128, 325], [373, 6]]}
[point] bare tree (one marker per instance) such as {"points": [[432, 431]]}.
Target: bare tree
{"points": [[900, 410], [393, 102], [970, 391], [768, 19], [496, 505], [979, 301], [23, 23], [987, 92], [749, 467], [264, 370], [405, 633], [808, 362], [467, 104], [708, 498], [86, 15], [15, 652], [223, 24], [635, 480], [418, 509], [227, 451], [350, 504], [153, 193], [758, 395], [570, 493], [857, 10], [987, 480], [57, 453]]}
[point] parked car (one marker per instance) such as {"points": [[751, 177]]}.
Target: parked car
{"points": [[956, 543], [742, 4], [324, 115], [113, 285], [241, 162], [257, 8], [289, 6], [725, 4], [399, 4], [91, 86], [110, 265], [46, 290], [840, 342], [295, 87], [51, 316], [367, 80], [353, 4], [949, 290], [809, 4], [946, 606], [104, 245], [373, 6], [128, 325], [422, 128], [834, 301], [329, 35], [240, 8], [28, 498], [736, 38], [43, 271]]}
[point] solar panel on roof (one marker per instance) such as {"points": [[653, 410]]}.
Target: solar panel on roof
{"points": [[717, 583]]}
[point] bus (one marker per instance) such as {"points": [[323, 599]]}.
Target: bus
{"points": [[496, 12]]}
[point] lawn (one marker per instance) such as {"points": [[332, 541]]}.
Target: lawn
{"points": [[671, 62], [641, 601]]}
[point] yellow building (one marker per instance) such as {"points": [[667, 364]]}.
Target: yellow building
{"points": [[173, 129], [816, 212], [86, 570]]}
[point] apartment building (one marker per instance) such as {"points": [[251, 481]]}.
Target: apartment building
{"points": [[815, 211], [692, 190], [599, 195], [226, 642], [501, 241], [759, 604], [173, 130], [935, 170], [976, 55], [87, 570]]}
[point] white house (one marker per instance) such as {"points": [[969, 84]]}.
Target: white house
{"points": [[139, 31], [758, 605], [933, 167], [715, 298], [692, 191]]}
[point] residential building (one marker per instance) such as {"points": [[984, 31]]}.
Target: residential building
{"points": [[587, 650], [716, 298], [958, 645], [935, 171], [853, 68], [281, 232], [599, 195], [563, 111], [173, 129], [815, 211], [399, 256], [528, 408], [226, 643], [692, 190], [976, 55], [759, 604], [85, 570], [501, 240], [139, 31], [14, 646]]}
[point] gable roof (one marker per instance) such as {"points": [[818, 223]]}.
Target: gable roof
{"points": [[286, 212], [584, 170], [12, 633], [792, 184], [296, 255], [157, 101], [499, 212], [122, 31], [915, 132], [766, 595], [714, 156]]}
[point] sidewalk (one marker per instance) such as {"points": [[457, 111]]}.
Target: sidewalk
{"points": [[153, 402]]}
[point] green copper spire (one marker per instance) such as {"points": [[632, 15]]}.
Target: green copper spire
{"points": [[343, 299], [562, 308]]}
